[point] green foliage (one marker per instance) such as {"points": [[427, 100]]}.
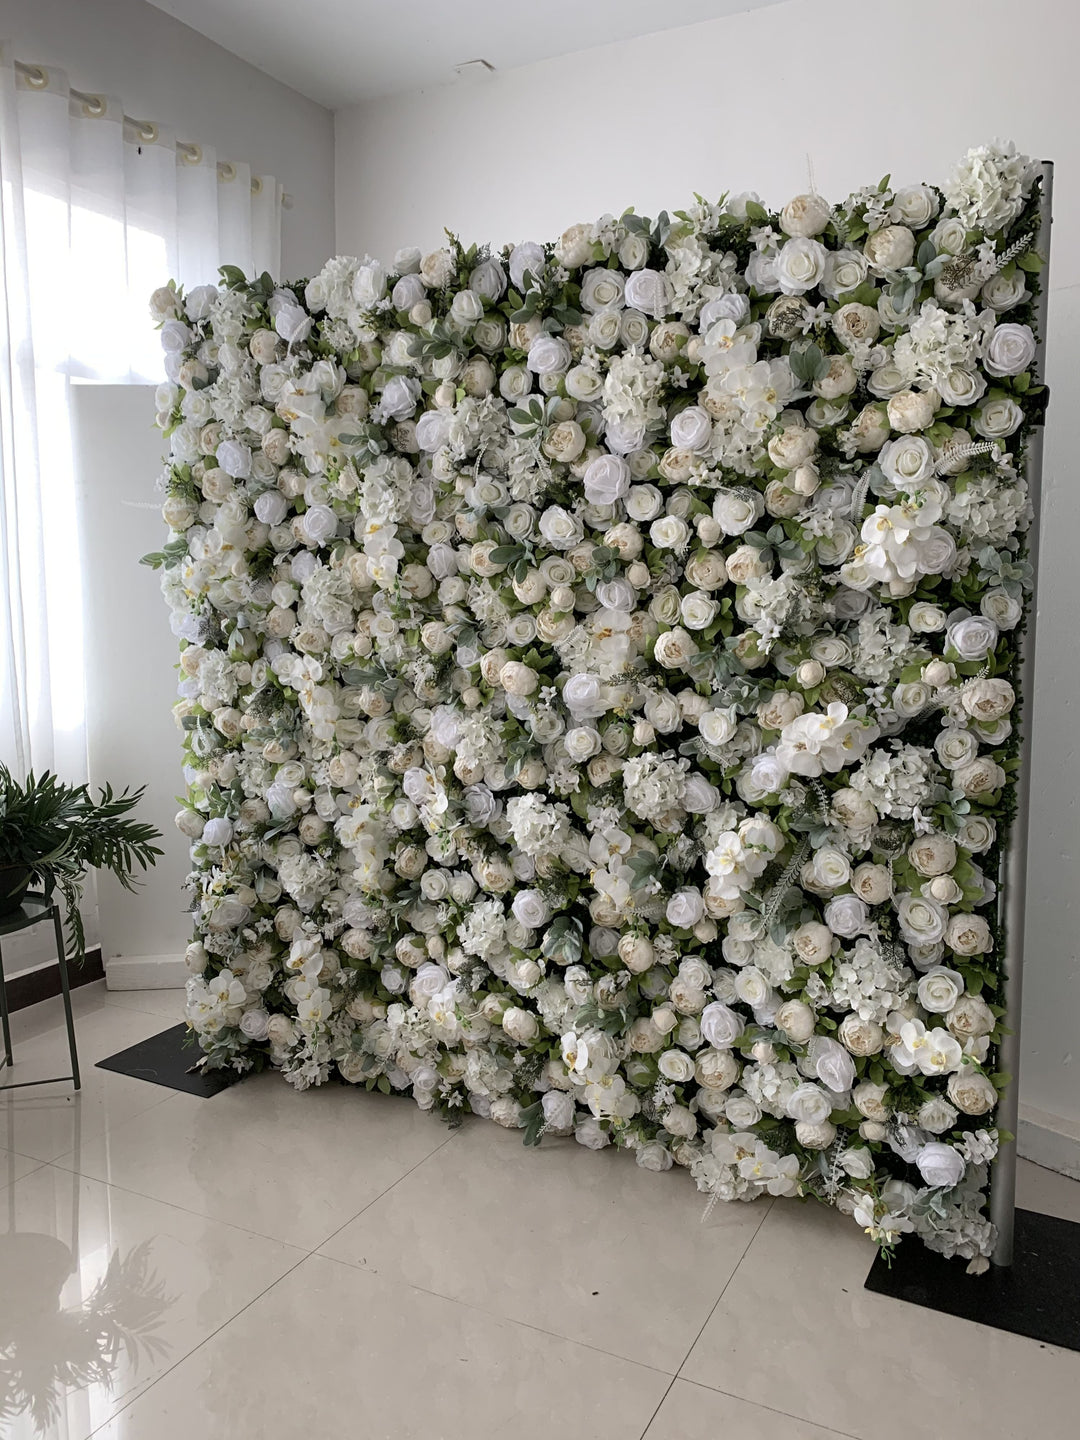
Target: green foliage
{"points": [[60, 831]]}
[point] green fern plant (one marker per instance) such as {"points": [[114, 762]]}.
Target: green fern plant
{"points": [[58, 832]]}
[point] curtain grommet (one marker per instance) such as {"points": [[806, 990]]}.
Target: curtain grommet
{"points": [[226, 171]]}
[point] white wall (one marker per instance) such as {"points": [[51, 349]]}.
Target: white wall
{"points": [[131, 657], [863, 87], [164, 71]]}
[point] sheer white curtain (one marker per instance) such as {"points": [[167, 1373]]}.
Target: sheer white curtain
{"points": [[96, 211]]}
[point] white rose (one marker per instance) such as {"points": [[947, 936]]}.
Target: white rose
{"points": [[979, 777], [549, 355], [936, 1115], [1002, 608], [1004, 292], [651, 292], [914, 206], [871, 883], [869, 1100], [606, 480], [855, 325], [437, 269], [797, 1020], [805, 215], [581, 742], [674, 648], [998, 418], [676, 1065], [737, 511], [971, 1091], [861, 1037], [720, 1026], [812, 942], [907, 462], [531, 909], [1010, 350], [809, 1104], [890, 248], [602, 289], [932, 854], [968, 935], [692, 429], [559, 1109], [971, 1017], [846, 915], [922, 921], [961, 387], [698, 610], [716, 1069], [526, 258], [939, 990], [669, 533], [972, 637], [791, 448], [564, 442], [800, 266], [560, 528], [833, 1065], [940, 1165], [911, 410]]}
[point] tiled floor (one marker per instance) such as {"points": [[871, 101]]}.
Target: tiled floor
{"points": [[293, 1267]]}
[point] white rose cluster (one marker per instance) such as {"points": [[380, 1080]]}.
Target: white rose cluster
{"points": [[597, 680]]}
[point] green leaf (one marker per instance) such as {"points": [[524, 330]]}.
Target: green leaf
{"points": [[757, 213], [1030, 261], [507, 554], [533, 1115]]}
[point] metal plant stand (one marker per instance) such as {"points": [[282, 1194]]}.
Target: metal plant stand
{"points": [[1030, 1288], [35, 909]]}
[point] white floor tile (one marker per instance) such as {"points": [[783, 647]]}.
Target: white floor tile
{"points": [[586, 1245], [106, 1290], [169, 1004], [797, 1331], [260, 1155], [333, 1351], [46, 1121], [14, 1167], [691, 1412]]}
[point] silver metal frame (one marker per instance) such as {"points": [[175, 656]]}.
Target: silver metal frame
{"points": [[1012, 905]]}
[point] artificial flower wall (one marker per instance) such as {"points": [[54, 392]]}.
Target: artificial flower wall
{"points": [[597, 680]]}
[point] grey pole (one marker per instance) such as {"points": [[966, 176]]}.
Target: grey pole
{"points": [[1012, 903]]}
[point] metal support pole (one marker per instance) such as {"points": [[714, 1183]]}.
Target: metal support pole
{"points": [[1013, 880]]}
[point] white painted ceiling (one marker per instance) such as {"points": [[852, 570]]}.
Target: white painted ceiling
{"points": [[339, 52]]}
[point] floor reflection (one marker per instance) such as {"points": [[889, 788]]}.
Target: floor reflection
{"points": [[47, 1350]]}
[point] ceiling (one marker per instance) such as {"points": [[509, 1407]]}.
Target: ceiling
{"points": [[339, 52]]}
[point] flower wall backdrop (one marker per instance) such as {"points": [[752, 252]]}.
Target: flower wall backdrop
{"points": [[597, 680]]}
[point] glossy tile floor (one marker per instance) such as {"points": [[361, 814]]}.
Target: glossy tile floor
{"points": [[289, 1267]]}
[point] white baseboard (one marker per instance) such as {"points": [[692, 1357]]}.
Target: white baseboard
{"points": [[1049, 1140], [145, 972]]}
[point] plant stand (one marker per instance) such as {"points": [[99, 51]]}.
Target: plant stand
{"points": [[35, 909]]}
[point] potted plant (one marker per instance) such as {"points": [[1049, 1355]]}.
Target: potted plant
{"points": [[52, 833]]}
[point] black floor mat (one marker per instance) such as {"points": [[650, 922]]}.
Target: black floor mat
{"points": [[167, 1059], [1036, 1296]]}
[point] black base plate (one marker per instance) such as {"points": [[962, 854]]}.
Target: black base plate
{"points": [[167, 1059], [1038, 1295]]}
